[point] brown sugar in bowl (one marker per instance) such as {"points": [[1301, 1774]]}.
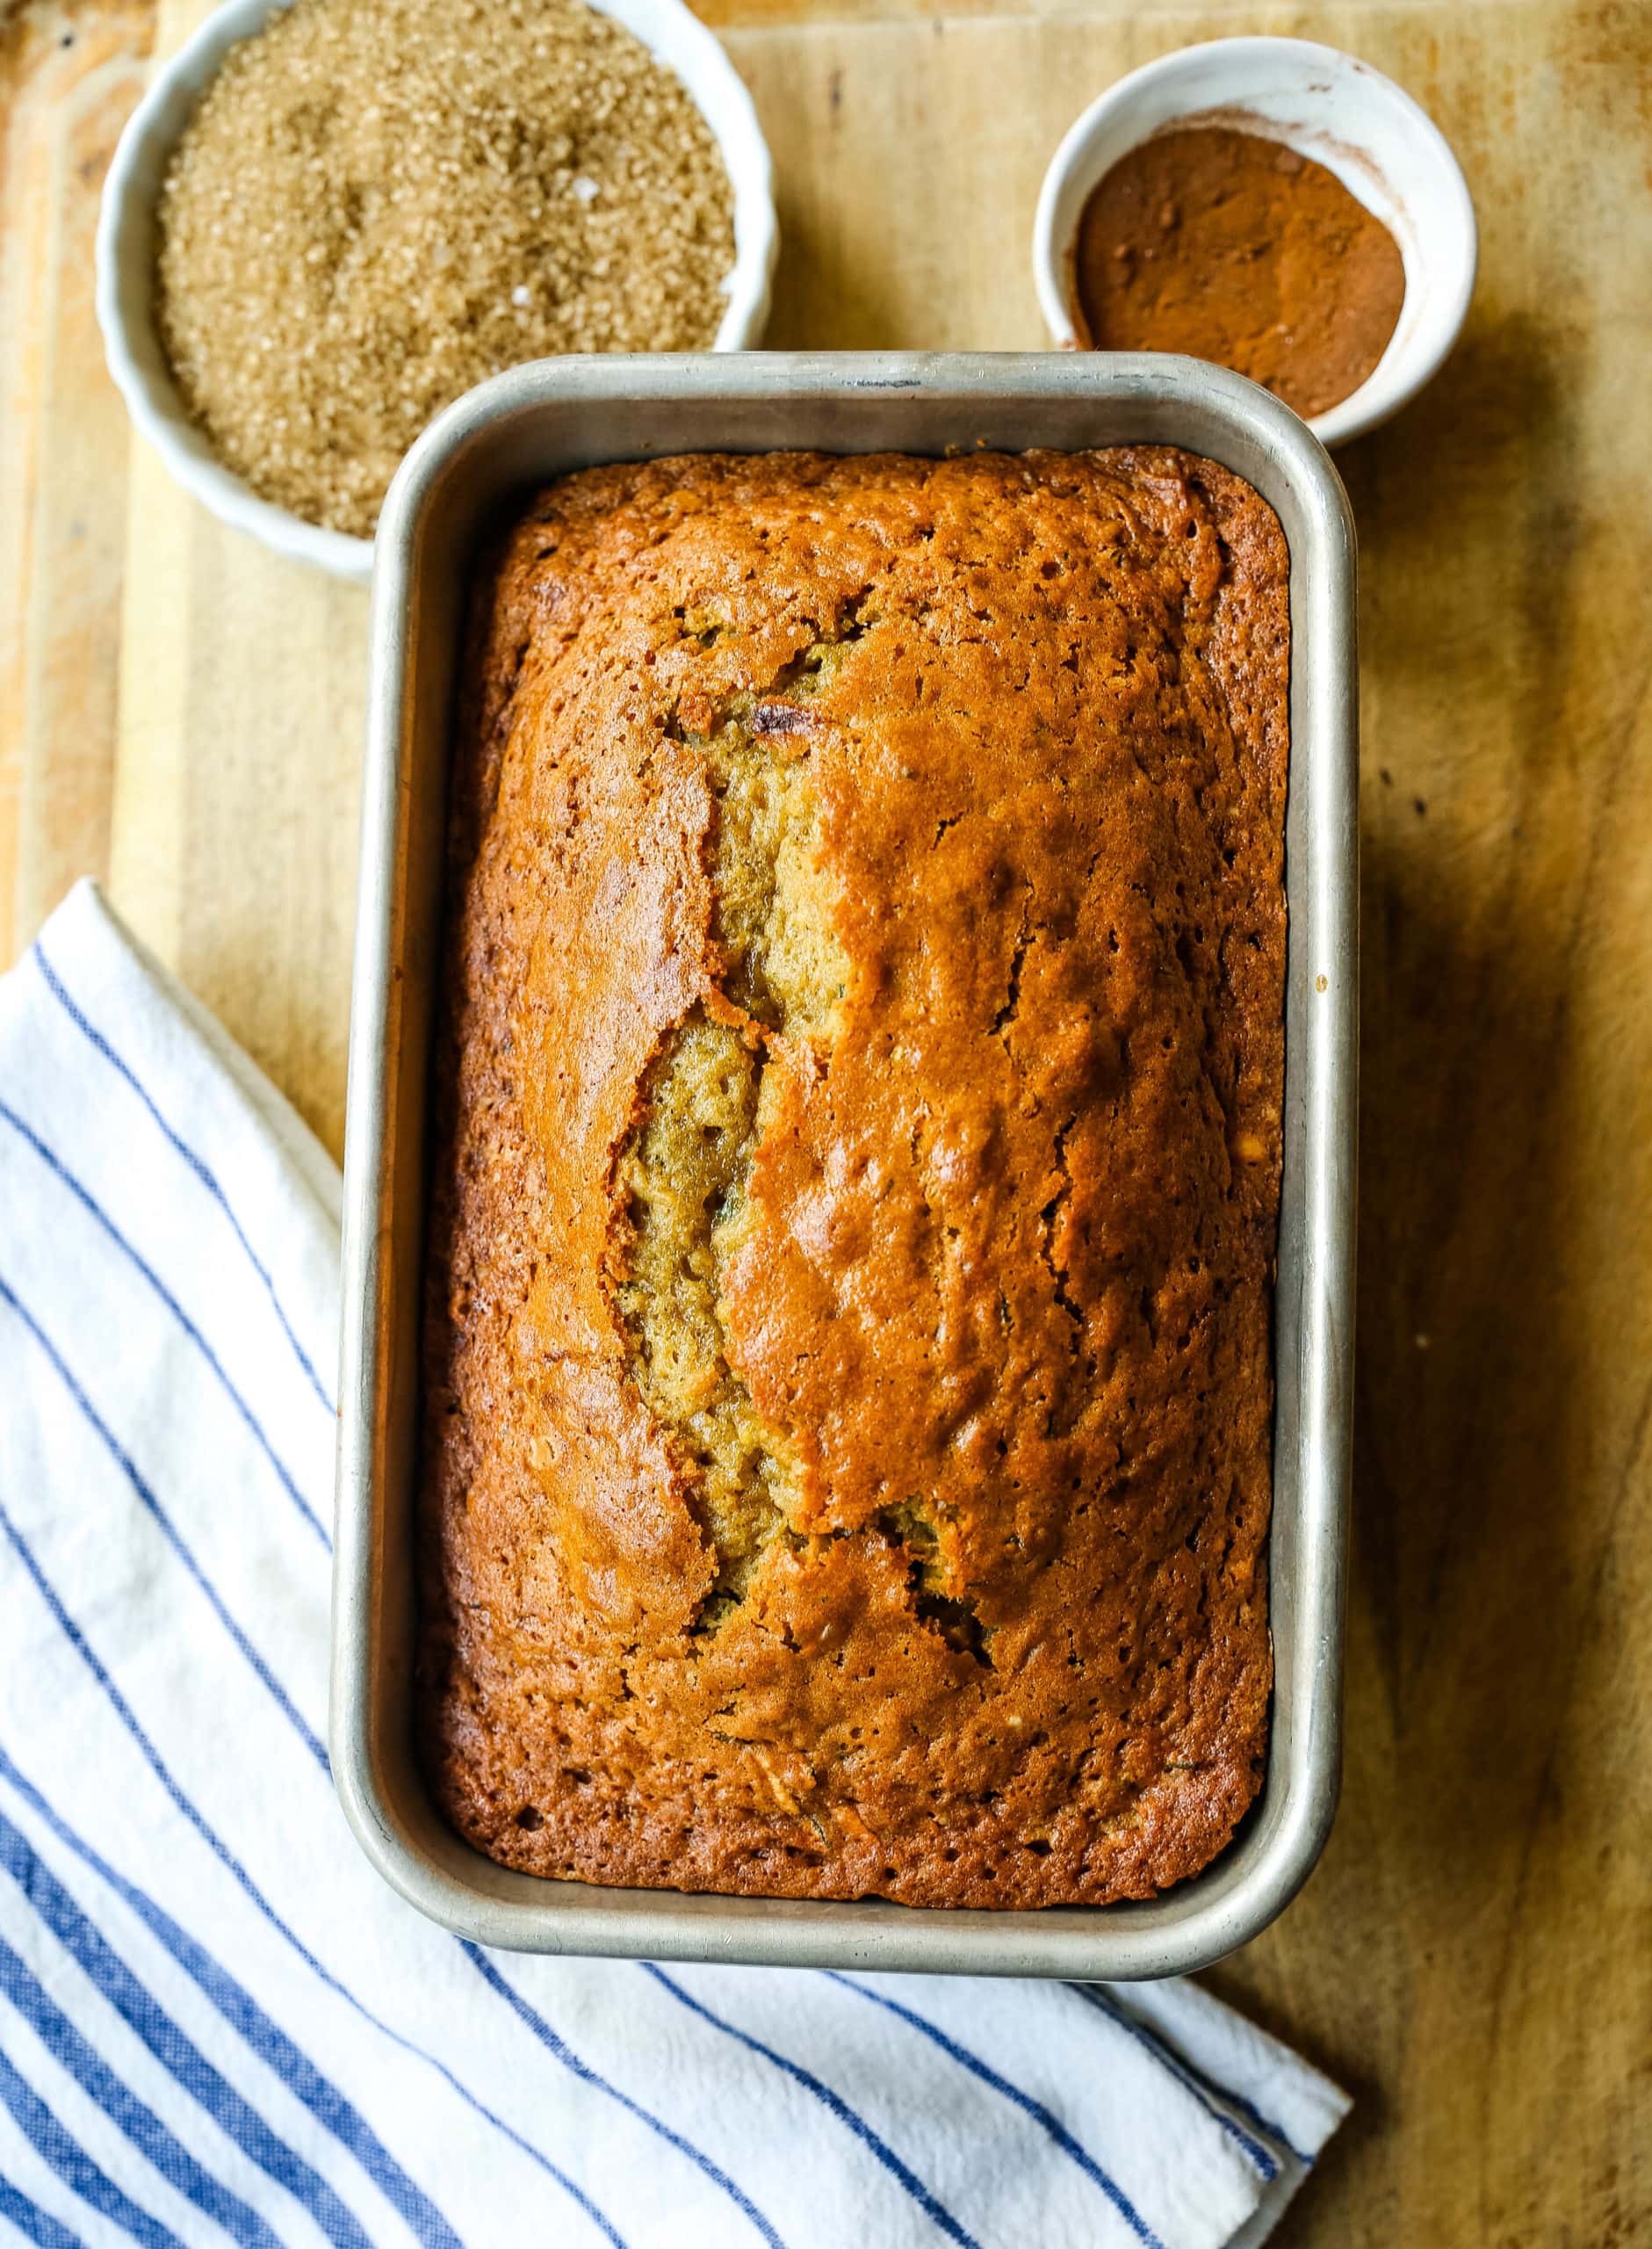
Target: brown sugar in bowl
{"points": [[127, 237]]}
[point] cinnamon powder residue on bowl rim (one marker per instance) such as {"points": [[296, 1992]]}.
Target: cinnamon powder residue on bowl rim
{"points": [[1236, 248]]}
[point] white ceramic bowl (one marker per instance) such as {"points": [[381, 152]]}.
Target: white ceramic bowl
{"points": [[1386, 151], [125, 248]]}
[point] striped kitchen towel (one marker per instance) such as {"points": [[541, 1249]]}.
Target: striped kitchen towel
{"points": [[215, 2022]]}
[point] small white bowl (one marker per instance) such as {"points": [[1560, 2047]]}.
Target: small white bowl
{"points": [[1387, 152], [126, 248]]}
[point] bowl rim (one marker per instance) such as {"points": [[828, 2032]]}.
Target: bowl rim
{"points": [[124, 249], [1409, 362], [507, 435]]}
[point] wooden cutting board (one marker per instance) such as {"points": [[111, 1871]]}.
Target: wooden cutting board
{"points": [[181, 713]]}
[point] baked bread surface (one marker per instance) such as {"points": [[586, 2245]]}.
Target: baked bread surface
{"points": [[848, 1393]]}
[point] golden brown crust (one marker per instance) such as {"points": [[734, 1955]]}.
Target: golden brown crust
{"points": [[1001, 1282]]}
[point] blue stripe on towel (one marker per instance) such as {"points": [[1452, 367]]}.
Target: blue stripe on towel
{"points": [[128, 1467], [1035, 2108], [60, 993], [434, 2228], [1192, 2083], [164, 2037], [88, 1201], [266, 2038], [73, 2167], [835, 2103], [1248, 2108], [31, 2222], [160, 2146], [548, 2038]]}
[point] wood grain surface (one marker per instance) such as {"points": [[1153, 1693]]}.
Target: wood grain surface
{"points": [[181, 713]]}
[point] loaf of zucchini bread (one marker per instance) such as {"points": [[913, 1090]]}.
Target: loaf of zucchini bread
{"points": [[858, 1132]]}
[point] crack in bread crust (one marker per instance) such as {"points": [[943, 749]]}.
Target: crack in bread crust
{"points": [[679, 1183], [847, 1401], [681, 1177]]}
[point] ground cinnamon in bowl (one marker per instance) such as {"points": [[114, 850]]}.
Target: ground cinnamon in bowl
{"points": [[1238, 249]]}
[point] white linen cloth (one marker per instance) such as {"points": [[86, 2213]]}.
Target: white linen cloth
{"points": [[215, 2020]]}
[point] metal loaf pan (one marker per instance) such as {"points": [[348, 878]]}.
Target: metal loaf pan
{"points": [[527, 425]]}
